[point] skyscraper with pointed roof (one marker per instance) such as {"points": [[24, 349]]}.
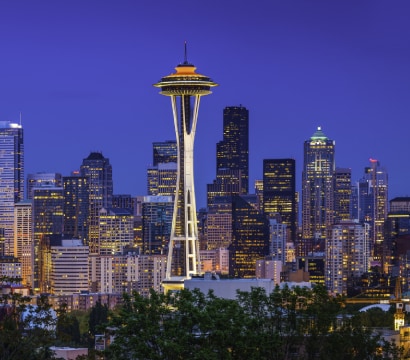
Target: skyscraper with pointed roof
{"points": [[317, 186], [11, 178]]}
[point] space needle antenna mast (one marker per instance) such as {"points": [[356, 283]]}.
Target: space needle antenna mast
{"points": [[185, 88]]}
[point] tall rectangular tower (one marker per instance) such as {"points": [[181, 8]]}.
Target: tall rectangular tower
{"points": [[23, 239], [156, 224], [347, 254], [48, 203], [343, 194], [279, 192], [233, 150], [373, 204], [98, 170], [250, 236], [76, 194], [317, 186], [11, 178]]}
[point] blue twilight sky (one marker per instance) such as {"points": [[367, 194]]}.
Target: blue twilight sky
{"points": [[81, 73]]}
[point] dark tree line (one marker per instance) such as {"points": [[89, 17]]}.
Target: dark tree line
{"points": [[297, 323]]}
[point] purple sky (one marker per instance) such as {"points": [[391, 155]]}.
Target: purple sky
{"points": [[81, 73]]}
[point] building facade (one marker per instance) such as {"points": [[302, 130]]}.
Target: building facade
{"points": [[76, 206], [156, 224], [98, 170], [41, 179], [116, 231], [317, 187], [233, 151], [347, 254], [250, 237], [11, 178], [23, 240], [48, 219], [69, 267], [279, 192]]}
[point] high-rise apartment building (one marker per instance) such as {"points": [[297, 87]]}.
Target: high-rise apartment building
{"points": [[233, 150], [76, 206], [347, 254], [23, 240], [40, 179], [279, 192], [11, 178], [98, 170], [317, 186]]}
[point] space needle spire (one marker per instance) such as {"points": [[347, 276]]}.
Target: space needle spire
{"points": [[185, 88]]}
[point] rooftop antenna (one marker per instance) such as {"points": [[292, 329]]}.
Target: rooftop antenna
{"points": [[20, 118], [185, 54]]}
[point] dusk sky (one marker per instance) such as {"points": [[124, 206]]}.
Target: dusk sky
{"points": [[81, 74]]}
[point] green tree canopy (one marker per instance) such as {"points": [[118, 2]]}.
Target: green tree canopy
{"points": [[289, 323]]}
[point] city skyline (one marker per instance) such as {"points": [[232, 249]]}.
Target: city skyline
{"points": [[81, 74]]}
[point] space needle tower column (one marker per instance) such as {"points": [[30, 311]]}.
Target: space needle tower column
{"points": [[185, 88]]}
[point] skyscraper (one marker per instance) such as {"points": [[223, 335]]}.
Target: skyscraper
{"points": [[40, 179], [162, 179], [250, 236], [342, 193], [115, 231], [156, 224], [164, 152], [69, 267], [317, 186], [11, 178], [48, 203], [227, 183], [23, 239], [347, 254], [162, 176], [233, 151], [76, 194], [187, 86], [373, 204], [98, 170], [279, 192]]}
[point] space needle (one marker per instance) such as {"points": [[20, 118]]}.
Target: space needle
{"points": [[185, 88]]}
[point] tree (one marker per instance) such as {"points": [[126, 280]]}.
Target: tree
{"points": [[68, 327], [288, 323], [26, 330]]}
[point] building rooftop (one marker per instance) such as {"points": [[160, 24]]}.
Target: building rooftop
{"points": [[319, 135]]}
